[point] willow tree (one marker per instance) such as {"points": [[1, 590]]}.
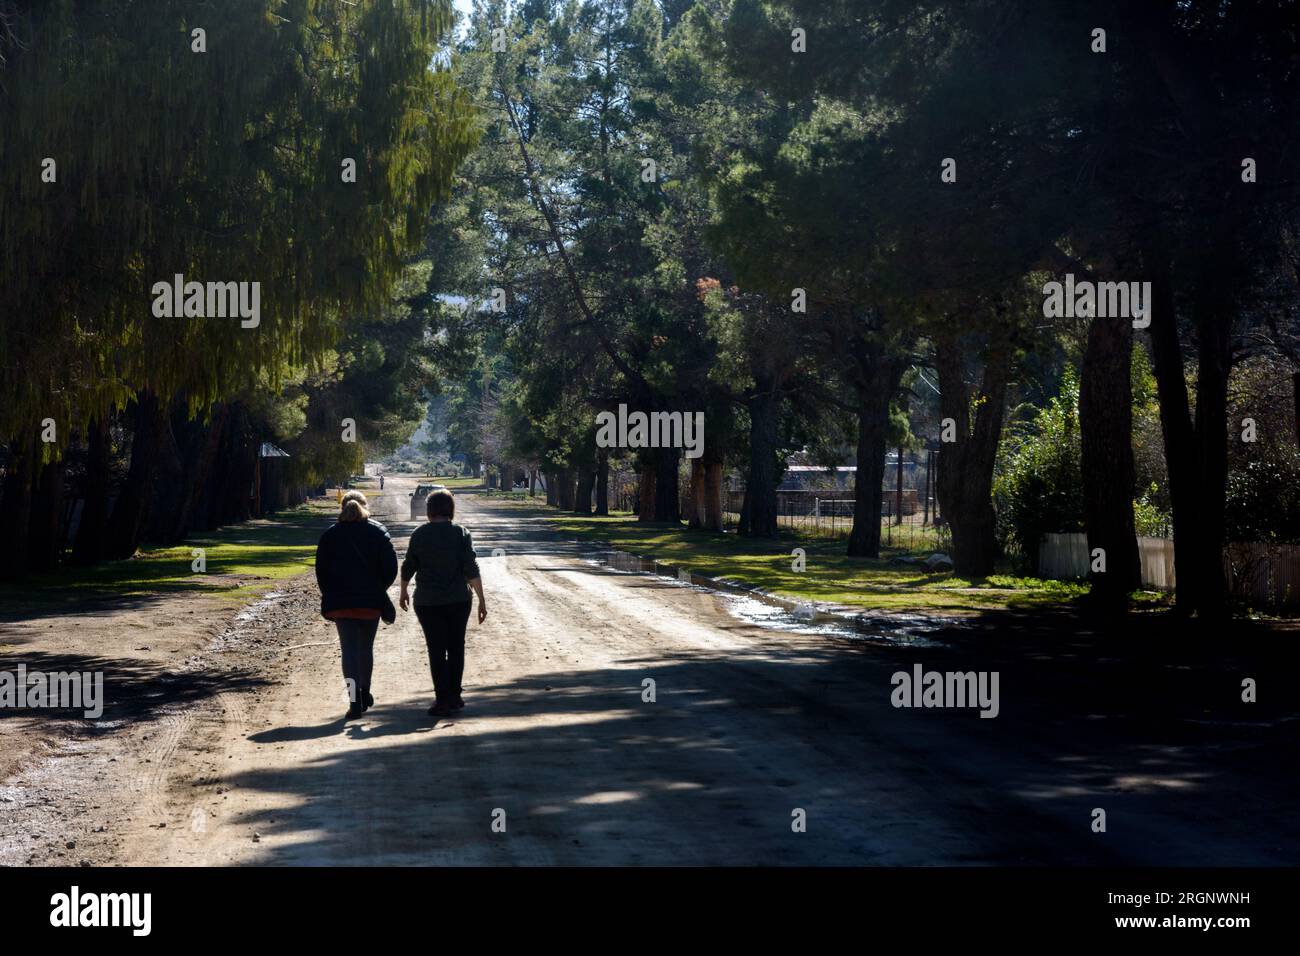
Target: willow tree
{"points": [[296, 144]]}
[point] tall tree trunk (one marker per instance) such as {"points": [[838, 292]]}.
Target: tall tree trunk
{"points": [[44, 541], [965, 468], [586, 485], [759, 520], [89, 544], [1195, 450], [713, 495], [241, 492], [1106, 431], [877, 378], [225, 498], [169, 474], [1176, 430], [695, 514], [667, 504], [602, 484], [869, 479], [564, 495], [1213, 366], [646, 491], [127, 522], [199, 463], [16, 504], [552, 498]]}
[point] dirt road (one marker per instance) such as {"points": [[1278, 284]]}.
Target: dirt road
{"points": [[748, 727]]}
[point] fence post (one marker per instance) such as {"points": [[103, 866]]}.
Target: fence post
{"points": [[898, 489]]}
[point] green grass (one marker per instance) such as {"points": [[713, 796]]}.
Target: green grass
{"points": [[451, 482], [830, 576], [243, 562]]}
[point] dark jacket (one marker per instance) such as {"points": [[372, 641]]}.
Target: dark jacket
{"points": [[355, 564], [440, 556]]}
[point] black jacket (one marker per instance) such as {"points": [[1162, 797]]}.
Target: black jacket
{"points": [[355, 564], [440, 556]]}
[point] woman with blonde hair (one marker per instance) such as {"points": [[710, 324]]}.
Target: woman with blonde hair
{"points": [[355, 565]]}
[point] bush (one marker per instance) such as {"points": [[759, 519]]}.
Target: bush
{"points": [[1263, 475], [1038, 488], [1149, 519], [1264, 497]]}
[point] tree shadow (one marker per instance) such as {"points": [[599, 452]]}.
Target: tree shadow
{"points": [[132, 689], [712, 770]]}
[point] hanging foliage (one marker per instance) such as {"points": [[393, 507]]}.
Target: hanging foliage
{"points": [[139, 142]]}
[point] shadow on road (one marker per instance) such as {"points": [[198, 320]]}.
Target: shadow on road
{"points": [[133, 689], [1151, 730]]}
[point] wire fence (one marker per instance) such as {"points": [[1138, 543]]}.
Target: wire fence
{"points": [[824, 505], [917, 528]]}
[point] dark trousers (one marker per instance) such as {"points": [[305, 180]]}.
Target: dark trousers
{"points": [[357, 641], [444, 635]]}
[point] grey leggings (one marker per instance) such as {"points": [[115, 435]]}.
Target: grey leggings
{"points": [[357, 641]]}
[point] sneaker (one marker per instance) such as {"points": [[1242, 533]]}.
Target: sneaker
{"points": [[438, 710], [458, 703], [355, 711], [369, 700]]}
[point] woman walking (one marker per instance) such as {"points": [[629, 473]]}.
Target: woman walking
{"points": [[441, 559], [355, 564]]}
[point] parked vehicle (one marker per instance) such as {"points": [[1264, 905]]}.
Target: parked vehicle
{"points": [[419, 499]]}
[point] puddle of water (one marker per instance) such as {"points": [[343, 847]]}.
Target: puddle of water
{"points": [[254, 611], [766, 610]]}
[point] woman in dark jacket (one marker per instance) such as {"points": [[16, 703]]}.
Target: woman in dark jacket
{"points": [[355, 564], [441, 558]]}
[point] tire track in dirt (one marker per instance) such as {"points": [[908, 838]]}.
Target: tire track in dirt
{"points": [[809, 738], [748, 725]]}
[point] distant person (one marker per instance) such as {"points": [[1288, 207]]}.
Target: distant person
{"points": [[355, 565], [381, 482], [441, 558]]}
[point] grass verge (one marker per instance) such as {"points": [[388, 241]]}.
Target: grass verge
{"points": [[829, 577], [243, 561], [451, 482]]}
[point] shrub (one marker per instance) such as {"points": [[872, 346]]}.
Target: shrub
{"points": [[1039, 485]]}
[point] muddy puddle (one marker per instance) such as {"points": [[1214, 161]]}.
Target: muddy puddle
{"points": [[783, 614], [255, 611]]}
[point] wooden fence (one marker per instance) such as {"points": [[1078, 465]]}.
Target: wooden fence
{"points": [[1263, 574], [1259, 574]]}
